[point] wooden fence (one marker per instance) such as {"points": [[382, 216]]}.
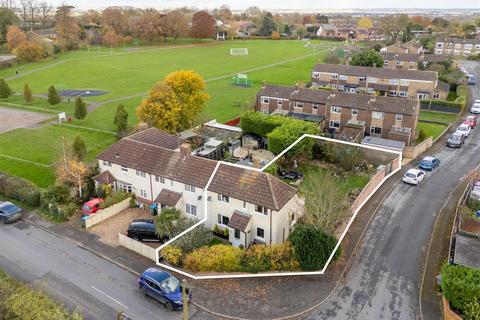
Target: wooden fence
{"points": [[138, 247]]}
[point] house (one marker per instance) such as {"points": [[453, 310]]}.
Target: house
{"points": [[457, 47], [410, 61], [379, 116], [409, 47], [414, 84], [161, 170]]}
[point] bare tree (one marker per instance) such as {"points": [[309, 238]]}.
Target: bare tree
{"points": [[9, 4], [70, 170], [45, 9], [32, 10], [24, 13]]}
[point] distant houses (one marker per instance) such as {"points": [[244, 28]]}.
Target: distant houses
{"points": [[457, 47]]}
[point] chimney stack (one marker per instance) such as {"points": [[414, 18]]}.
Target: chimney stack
{"points": [[185, 150], [256, 163]]}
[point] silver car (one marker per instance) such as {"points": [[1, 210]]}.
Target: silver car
{"points": [[9, 212]]}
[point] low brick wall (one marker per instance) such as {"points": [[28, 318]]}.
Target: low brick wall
{"points": [[413, 152], [137, 246], [106, 213], [448, 314]]}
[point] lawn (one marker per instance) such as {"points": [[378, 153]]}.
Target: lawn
{"points": [[438, 116], [38, 105], [431, 129]]}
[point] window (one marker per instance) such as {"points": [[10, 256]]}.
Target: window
{"points": [[334, 109], [237, 234], [370, 90], [436, 95], [125, 187], [223, 220], [376, 130], [333, 86], [392, 93], [260, 233], [140, 173], [354, 112], [334, 124], [261, 209], [404, 82], [316, 74], [191, 209], [125, 169], [398, 117], [189, 188], [403, 93], [143, 193], [393, 81], [377, 115], [342, 77], [107, 163], [315, 107], [334, 76], [298, 104], [279, 103], [372, 80], [399, 63], [362, 78], [421, 96], [341, 87], [223, 198], [160, 179], [265, 100]]}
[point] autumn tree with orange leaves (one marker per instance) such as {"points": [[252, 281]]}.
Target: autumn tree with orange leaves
{"points": [[71, 170], [203, 25]]}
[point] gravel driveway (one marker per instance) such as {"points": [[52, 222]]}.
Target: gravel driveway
{"points": [[11, 119]]}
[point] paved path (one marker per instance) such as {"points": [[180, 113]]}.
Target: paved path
{"points": [[384, 279], [11, 119]]}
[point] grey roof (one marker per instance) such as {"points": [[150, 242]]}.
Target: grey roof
{"points": [[463, 41], [307, 117], [309, 95], [382, 73], [383, 143], [467, 251], [443, 86], [156, 137], [281, 92], [402, 56]]}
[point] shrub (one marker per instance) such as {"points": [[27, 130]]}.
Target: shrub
{"points": [[472, 310], [80, 109], [260, 124], [219, 258], [19, 189], [172, 255], [422, 135], [55, 194], [53, 97], [5, 90], [312, 246], [460, 285], [198, 237], [28, 52], [27, 93], [114, 198], [283, 136], [262, 258]]}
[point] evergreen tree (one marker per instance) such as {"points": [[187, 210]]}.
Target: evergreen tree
{"points": [[121, 121], [53, 97], [268, 25], [79, 149], [27, 93], [80, 109], [5, 90]]}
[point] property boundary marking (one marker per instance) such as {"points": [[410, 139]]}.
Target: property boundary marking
{"points": [[27, 161], [278, 274]]}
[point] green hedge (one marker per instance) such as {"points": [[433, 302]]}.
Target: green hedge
{"points": [[114, 198], [260, 124], [443, 103], [283, 136], [460, 285], [19, 189]]}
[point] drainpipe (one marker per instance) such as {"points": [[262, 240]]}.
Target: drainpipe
{"points": [[271, 226], [151, 188]]}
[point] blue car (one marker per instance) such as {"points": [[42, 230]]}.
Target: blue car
{"points": [[163, 287], [429, 163], [9, 212]]}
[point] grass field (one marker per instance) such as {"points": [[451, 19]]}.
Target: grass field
{"points": [[38, 105], [431, 129]]}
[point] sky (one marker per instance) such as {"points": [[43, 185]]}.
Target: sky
{"points": [[277, 4]]}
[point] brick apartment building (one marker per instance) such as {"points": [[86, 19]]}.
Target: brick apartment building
{"points": [[413, 84], [385, 117], [457, 47]]}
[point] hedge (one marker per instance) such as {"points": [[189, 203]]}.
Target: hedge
{"points": [[460, 285], [218, 258], [442, 103], [283, 136], [114, 198], [19, 189], [260, 124], [263, 258]]}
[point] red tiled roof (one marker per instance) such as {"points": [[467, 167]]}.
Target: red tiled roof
{"points": [[157, 138], [168, 197], [239, 221]]}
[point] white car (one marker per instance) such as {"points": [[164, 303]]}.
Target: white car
{"points": [[464, 129], [475, 193], [414, 176], [475, 107]]}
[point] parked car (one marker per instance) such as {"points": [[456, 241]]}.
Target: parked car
{"points": [[290, 175], [163, 287], [9, 212], [414, 176], [91, 207], [472, 81], [464, 129], [471, 120], [143, 229], [429, 163], [455, 140], [475, 193], [475, 108]]}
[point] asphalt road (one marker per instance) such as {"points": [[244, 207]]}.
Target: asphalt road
{"points": [[384, 279], [73, 275]]}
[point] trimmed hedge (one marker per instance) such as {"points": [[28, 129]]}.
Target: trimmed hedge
{"points": [[460, 285], [263, 258], [260, 124], [218, 258], [19, 189], [442, 103], [283, 136]]}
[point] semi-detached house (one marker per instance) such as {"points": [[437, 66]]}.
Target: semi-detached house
{"points": [[160, 168]]}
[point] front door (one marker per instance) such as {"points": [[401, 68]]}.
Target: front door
{"points": [[238, 238]]}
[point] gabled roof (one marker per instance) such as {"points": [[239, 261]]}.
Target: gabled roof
{"points": [[239, 221], [158, 138], [273, 91], [308, 95], [402, 56], [377, 72], [105, 178], [168, 197]]}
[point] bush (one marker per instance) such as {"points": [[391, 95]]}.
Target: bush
{"points": [[55, 194], [422, 135], [114, 198], [472, 310], [460, 285], [283, 136], [198, 237], [19, 189], [263, 258], [260, 124], [28, 52], [5, 90], [219, 258], [172, 255], [312, 246]]}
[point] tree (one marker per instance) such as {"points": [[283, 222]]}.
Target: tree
{"points": [[70, 170], [28, 52], [80, 108], [33, 8], [394, 26], [233, 29], [300, 32], [5, 90], [149, 25], [367, 58], [45, 8], [114, 19], [320, 18], [312, 246], [365, 22], [79, 150], [203, 25], [53, 97], [121, 120], [7, 19], [27, 93], [165, 220], [177, 24], [225, 13], [15, 37], [275, 35], [460, 285], [68, 30], [268, 25], [111, 39]]}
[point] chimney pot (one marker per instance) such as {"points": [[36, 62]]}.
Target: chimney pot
{"points": [[256, 163], [185, 149]]}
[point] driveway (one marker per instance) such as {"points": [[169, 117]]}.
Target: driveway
{"points": [[12, 119], [384, 279]]}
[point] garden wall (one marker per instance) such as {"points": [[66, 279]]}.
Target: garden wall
{"points": [[440, 107], [138, 247], [448, 314], [413, 152], [106, 213]]}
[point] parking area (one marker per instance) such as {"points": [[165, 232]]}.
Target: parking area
{"points": [[109, 229], [11, 119]]}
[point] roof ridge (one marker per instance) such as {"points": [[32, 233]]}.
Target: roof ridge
{"points": [[270, 187]]}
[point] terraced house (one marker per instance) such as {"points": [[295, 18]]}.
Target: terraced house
{"points": [[159, 168], [457, 47], [409, 61], [385, 117], [413, 84]]}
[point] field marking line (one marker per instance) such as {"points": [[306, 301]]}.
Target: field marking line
{"points": [[26, 161], [85, 128], [109, 297], [7, 104]]}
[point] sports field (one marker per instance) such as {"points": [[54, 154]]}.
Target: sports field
{"points": [[127, 75]]}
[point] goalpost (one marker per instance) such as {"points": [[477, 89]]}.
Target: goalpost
{"points": [[241, 79], [239, 51]]}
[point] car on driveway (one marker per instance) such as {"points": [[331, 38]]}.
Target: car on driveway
{"points": [[414, 176], [475, 108], [471, 120], [91, 206], [456, 140], [289, 175], [9, 212], [464, 129], [429, 163], [143, 230], [163, 287]]}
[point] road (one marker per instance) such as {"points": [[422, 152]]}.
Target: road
{"points": [[384, 279], [73, 275]]}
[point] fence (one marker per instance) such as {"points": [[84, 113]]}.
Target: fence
{"points": [[413, 152], [138, 247], [106, 213]]}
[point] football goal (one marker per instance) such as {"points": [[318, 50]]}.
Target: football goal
{"points": [[241, 79], [239, 51]]}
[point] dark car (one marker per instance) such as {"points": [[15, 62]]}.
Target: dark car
{"points": [[455, 140], [289, 175], [9, 212], [143, 229], [163, 287]]}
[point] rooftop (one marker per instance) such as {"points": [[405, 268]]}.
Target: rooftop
{"points": [[466, 251]]}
